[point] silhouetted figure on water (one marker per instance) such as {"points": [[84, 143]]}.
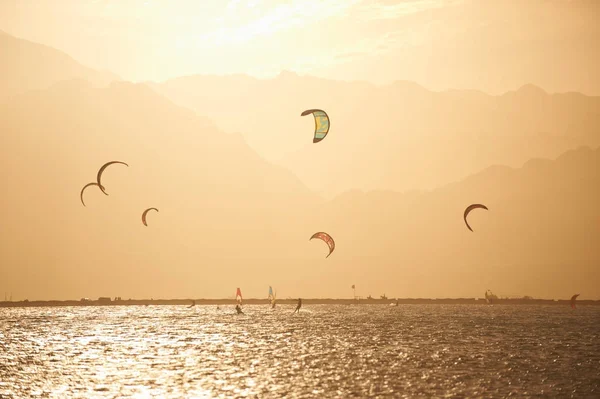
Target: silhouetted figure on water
{"points": [[238, 308], [299, 305]]}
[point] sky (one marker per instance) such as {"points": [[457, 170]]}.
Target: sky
{"points": [[241, 187], [491, 45]]}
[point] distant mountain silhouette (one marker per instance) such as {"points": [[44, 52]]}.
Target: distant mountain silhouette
{"points": [[539, 237], [397, 137], [27, 65], [226, 216]]}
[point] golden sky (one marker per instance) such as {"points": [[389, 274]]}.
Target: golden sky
{"points": [[492, 45], [231, 165]]}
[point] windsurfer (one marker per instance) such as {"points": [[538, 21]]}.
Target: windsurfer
{"points": [[299, 305], [238, 308]]}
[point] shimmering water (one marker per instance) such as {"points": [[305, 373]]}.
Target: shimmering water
{"points": [[325, 351]]}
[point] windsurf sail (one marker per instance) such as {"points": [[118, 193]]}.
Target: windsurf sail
{"points": [[490, 297], [238, 296], [271, 296]]}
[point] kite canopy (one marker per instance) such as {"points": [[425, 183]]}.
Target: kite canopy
{"points": [[469, 209], [328, 240], [321, 123], [86, 186], [573, 298], [144, 215], [102, 171]]}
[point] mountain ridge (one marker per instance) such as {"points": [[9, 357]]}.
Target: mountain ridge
{"points": [[399, 136], [29, 65]]}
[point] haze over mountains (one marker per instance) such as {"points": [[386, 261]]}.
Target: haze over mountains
{"points": [[28, 66], [396, 137], [219, 202], [540, 235], [230, 218]]}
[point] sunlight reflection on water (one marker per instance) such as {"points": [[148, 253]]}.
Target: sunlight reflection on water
{"points": [[325, 351]]}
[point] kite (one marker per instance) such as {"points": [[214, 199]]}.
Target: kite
{"points": [[102, 171], [328, 240], [321, 123], [469, 209], [573, 298], [144, 215], [86, 186]]}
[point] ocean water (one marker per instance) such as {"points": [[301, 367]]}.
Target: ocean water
{"points": [[324, 351]]}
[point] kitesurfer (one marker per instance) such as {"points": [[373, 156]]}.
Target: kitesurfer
{"points": [[299, 305]]}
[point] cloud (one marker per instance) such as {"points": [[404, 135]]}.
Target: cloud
{"points": [[269, 19], [381, 10], [351, 55]]}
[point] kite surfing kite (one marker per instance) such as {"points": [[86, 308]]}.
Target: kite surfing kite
{"points": [[469, 209], [86, 186], [321, 123], [102, 171], [144, 215], [193, 304], [573, 298], [328, 240]]}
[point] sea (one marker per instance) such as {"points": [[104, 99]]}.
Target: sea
{"points": [[324, 351]]}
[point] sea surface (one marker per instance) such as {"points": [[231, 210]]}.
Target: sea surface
{"points": [[325, 351]]}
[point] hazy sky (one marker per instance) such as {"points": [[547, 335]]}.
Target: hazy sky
{"points": [[239, 182], [491, 45]]}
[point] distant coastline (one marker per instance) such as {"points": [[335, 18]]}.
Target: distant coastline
{"points": [[305, 301]]}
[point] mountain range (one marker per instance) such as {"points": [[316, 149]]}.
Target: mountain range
{"points": [[31, 66], [394, 137], [231, 214]]}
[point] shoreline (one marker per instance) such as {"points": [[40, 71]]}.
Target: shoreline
{"points": [[307, 301]]}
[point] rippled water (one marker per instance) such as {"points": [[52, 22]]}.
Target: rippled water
{"points": [[325, 351]]}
